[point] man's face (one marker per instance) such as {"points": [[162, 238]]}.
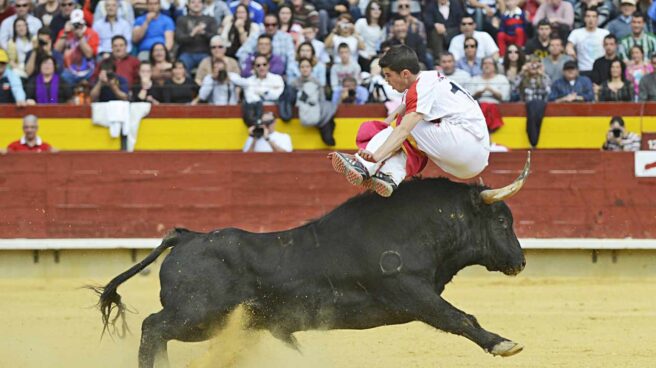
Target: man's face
{"points": [[29, 129], [349, 84], [196, 6], [544, 32], [403, 7], [152, 6], [345, 55], [555, 47], [270, 25], [22, 7], [396, 80], [467, 26], [637, 25], [218, 48], [261, 66], [488, 66], [447, 63], [470, 49], [119, 49], [67, 7], [309, 33], [400, 29], [264, 46], [111, 7], [570, 74], [610, 47], [590, 19], [627, 9]]}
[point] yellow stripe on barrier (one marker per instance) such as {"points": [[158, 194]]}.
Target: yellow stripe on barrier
{"points": [[64, 134]]}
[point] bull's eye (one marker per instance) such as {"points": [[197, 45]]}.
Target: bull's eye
{"points": [[503, 222]]}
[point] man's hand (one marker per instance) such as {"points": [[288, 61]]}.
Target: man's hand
{"points": [[79, 32], [366, 155], [102, 77], [440, 28], [68, 27], [150, 16]]}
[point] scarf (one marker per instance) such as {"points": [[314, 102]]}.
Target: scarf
{"points": [[42, 96]]}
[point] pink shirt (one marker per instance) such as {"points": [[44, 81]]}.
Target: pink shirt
{"points": [[564, 14]]}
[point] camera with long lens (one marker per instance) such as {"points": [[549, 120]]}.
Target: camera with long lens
{"points": [[258, 131], [78, 25], [617, 132]]}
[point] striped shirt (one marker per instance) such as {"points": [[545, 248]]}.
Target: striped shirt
{"points": [[646, 41]]}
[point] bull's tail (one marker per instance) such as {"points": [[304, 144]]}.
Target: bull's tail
{"points": [[110, 299]]}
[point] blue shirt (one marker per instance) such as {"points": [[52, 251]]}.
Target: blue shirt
{"points": [[361, 95], [473, 70], [13, 83], [107, 30], [254, 9], [106, 93], [582, 86], [155, 31]]}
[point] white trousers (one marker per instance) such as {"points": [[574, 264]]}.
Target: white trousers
{"points": [[450, 146]]}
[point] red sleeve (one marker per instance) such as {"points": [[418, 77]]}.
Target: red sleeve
{"points": [[411, 99], [93, 40], [13, 146]]}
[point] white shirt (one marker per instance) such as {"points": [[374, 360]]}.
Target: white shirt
{"points": [[255, 89], [7, 28], [486, 45], [372, 35], [437, 97], [589, 46], [459, 76], [281, 140], [499, 82]]}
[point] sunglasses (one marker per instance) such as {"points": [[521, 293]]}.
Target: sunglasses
{"points": [[260, 65], [375, 8], [271, 24], [21, 5], [217, 47], [67, 4], [513, 52], [404, 6], [470, 46], [467, 24]]}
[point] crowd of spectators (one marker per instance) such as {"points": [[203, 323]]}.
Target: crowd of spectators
{"points": [[228, 52]]}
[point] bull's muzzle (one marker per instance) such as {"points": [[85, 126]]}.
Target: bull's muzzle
{"points": [[513, 271]]}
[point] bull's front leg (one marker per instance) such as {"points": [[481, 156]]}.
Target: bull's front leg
{"points": [[419, 300]]}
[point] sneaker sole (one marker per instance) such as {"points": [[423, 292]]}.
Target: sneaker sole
{"points": [[343, 167]]}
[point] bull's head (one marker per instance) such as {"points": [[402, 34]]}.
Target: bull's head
{"points": [[504, 252]]}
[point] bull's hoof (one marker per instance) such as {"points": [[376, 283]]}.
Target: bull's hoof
{"points": [[506, 348]]}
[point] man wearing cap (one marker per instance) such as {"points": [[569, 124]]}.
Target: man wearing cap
{"points": [[638, 37], [79, 45], [30, 141], [621, 25], [11, 87], [7, 27], [572, 87]]}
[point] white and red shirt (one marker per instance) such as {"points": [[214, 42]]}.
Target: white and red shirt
{"points": [[439, 98], [22, 146]]}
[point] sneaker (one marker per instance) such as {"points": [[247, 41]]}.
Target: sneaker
{"points": [[350, 167], [381, 184]]}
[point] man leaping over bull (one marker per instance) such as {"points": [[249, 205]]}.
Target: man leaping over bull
{"points": [[437, 119]]}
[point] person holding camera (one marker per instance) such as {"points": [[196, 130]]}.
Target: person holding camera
{"points": [[79, 45], [109, 86], [262, 136], [350, 93], [41, 49], [619, 139], [216, 88]]}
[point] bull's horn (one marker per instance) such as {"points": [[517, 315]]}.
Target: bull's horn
{"points": [[490, 196]]}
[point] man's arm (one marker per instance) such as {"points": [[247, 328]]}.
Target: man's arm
{"points": [[398, 111], [396, 139]]}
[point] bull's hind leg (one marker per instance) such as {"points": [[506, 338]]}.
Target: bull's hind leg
{"points": [[423, 304], [153, 343]]}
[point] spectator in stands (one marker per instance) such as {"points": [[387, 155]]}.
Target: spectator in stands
{"points": [[534, 83], [112, 25], [192, 35], [572, 87], [217, 52], [276, 63], [447, 65], [22, 11], [486, 44], [79, 45], [489, 89], [255, 10], [400, 36], [306, 51], [264, 138], [415, 26], [442, 22], [127, 66], [346, 67], [124, 11], [180, 88], [30, 141], [313, 109], [109, 86], [62, 17], [560, 13], [262, 85], [282, 43], [371, 29], [310, 34], [349, 92], [47, 87], [581, 6], [512, 28], [513, 61], [219, 10], [487, 14], [639, 37], [146, 90], [553, 64], [238, 32], [305, 14], [216, 88], [616, 87], [539, 44], [619, 139], [287, 25], [18, 47], [344, 32], [45, 11], [42, 48], [601, 66], [161, 62], [7, 9], [648, 84], [470, 63], [586, 44], [152, 28], [621, 25], [636, 68]]}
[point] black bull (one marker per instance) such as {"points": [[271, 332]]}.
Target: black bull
{"points": [[370, 262]]}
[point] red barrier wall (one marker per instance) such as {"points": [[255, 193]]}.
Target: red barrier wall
{"points": [[568, 194]]}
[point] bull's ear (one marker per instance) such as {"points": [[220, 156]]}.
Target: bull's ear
{"points": [[475, 198]]}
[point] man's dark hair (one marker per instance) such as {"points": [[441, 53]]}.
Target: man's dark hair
{"points": [[445, 54], [544, 22], [467, 16], [46, 58], [400, 57], [45, 30], [618, 120], [610, 36], [468, 38], [263, 35], [108, 65], [343, 45], [399, 17], [638, 14], [119, 37], [591, 9]]}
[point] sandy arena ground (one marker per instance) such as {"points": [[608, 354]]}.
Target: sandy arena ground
{"points": [[562, 323]]}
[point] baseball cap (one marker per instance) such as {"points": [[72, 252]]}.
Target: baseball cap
{"points": [[3, 56], [571, 64], [630, 2], [77, 17]]}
